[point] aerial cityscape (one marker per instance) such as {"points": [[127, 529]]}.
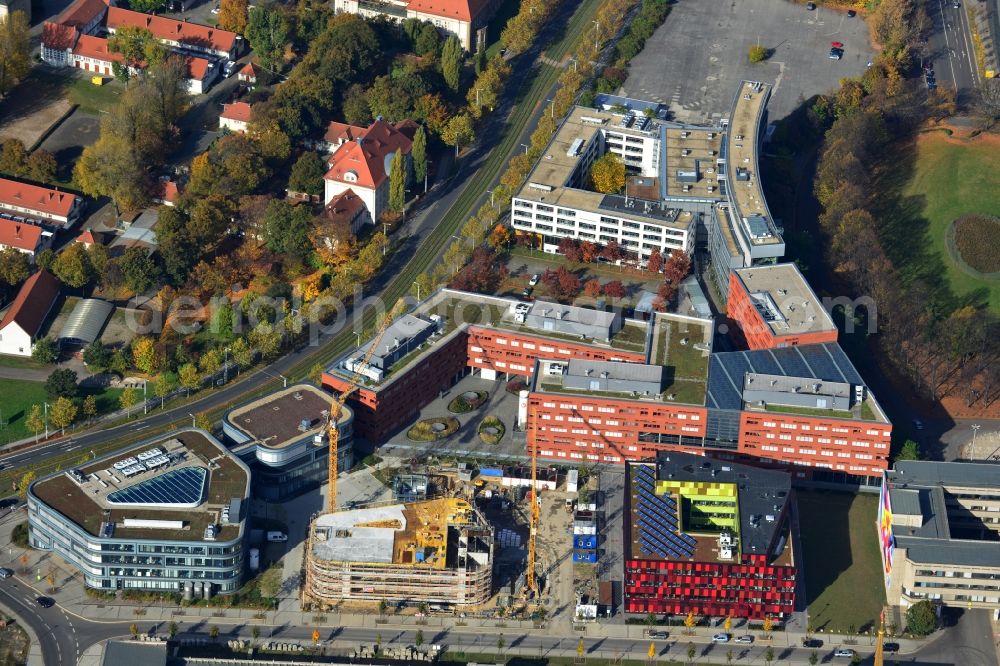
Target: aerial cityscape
{"points": [[524, 332]]}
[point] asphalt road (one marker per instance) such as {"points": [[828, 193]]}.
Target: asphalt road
{"points": [[61, 639], [950, 47]]}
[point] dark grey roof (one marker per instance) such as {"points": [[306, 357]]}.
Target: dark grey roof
{"points": [[826, 362], [905, 501], [958, 553], [616, 370], [133, 652], [932, 473], [85, 323], [760, 492]]}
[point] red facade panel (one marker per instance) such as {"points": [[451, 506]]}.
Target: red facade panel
{"points": [[583, 428], [853, 447], [516, 353], [756, 333]]}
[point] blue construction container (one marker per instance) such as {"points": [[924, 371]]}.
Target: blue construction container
{"points": [[490, 471], [585, 541], [588, 556]]}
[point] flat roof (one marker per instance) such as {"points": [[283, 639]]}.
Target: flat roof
{"points": [[693, 150], [86, 504], [785, 300], [935, 473], [414, 534], [760, 499], [746, 193], [275, 421], [460, 309]]}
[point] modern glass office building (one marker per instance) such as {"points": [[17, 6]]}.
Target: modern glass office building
{"points": [[166, 515]]}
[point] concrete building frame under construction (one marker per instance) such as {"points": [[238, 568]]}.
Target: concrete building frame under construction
{"points": [[437, 551]]}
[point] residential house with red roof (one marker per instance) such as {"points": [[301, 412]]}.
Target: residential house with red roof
{"points": [[235, 117], [189, 36], [363, 165], [346, 208], [248, 74], [59, 36], [23, 202], [24, 318], [466, 19], [337, 134], [24, 237], [166, 192], [89, 238]]}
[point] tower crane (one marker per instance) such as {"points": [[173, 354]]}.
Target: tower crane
{"points": [[879, 649], [337, 403], [530, 583]]}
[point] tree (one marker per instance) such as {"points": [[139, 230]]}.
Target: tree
{"points": [[134, 630], [145, 356], [139, 269], [316, 636], [419, 638], [241, 353], [655, 261], [607, 174], [500, 237], [307, 174], [14, 266], [62, 384], [988, 99], [267, 32], [757, 53], [15, 50], [500, 642], [769, 655], [127, 400], [418, 153], [137, 46], [383, 606], [213, 632], [768, 625], [451, 62], [459, 132], [690, 621], [72, 266], [592, 288], [286, 229], [614, 289], [813, 658], [45, 350], [233, 15], [114, 168], [255, 632], [202, 420], [397, 181], [172, 629], [921, 618], [728, 624], [909, 451], [428, 40], [189, 377], [678, 267], [729, 656], [265, 339], [35, 421], [90, 407], [166, 383], [691, 651], [63, 413]]}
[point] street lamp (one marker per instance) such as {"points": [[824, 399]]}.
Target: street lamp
{"points": [[145, 404], [573, 60], [46, 407], [477, 96], [975, 429], [359, 337], [552, 108], [597, 32], [225, 366], [418, 289], [490, 192], [193, 425], [525, 148]]}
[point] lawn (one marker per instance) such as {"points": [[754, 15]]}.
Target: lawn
{"points": [[928, 186], [842, 566], [16, 399], [79, 89]]}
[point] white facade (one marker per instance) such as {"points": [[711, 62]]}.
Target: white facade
{"points": [[601, 226], [15, 340], [232, 124], [639, 150], [375, 200]]}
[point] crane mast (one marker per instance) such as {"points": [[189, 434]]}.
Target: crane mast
{"points": [[879, 649], [530, 582], [337, 403]]}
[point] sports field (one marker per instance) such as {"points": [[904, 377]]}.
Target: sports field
{"points": [[940, 179]]}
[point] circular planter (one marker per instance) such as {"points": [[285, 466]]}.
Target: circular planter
{"points": [[430, 430], [467, 402], [491, 430], [973, 241]]}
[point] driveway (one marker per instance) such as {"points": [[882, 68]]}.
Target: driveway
{"points": [[697, 58]]}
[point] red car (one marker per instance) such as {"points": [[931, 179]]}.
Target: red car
{"points": [[836, 45]]}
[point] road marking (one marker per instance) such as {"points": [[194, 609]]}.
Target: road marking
{"points": [[947, 43], [72, 448]]}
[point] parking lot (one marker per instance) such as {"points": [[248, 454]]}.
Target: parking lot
{"points": [[697, 58]]}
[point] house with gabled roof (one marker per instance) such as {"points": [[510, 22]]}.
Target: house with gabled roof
{"points": [[466, 19], [23, 320], [363, 165]]}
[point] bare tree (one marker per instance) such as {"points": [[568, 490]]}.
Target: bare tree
{"points": [[988, 100]]}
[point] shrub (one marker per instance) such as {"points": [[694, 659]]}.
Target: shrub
{"points": [[977, 238], [757, 54], [921, 619]]}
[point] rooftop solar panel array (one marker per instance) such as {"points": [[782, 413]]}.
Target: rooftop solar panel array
{"points": [[657, 519], [826, 362], [183, 486]]}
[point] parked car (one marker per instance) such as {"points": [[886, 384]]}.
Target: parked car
{"points": [[720, 638], [917, 423], [890, 647], [837, 45], [836, 54], [5, 572], [658, 635], [845, 652], [277, 536], [812, 643], [744, 639], [810, 6], [851, 13], [215, 9], [534, 279]]}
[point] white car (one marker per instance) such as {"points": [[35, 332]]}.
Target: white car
{"points": [[215, 9], [744, 639], [534, 279], [845, 652], [277, 536], [720, 638]]}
